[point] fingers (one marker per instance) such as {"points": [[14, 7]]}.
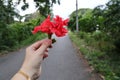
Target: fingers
{"points": [[50, 46], [44, 45], [45, 55], [36, 45]]}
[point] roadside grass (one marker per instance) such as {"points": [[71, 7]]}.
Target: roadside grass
{"points": [[97, 57]]}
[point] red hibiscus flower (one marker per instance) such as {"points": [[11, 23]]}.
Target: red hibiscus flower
{"points": [[53, 27], [45, 27], [59, 28]]}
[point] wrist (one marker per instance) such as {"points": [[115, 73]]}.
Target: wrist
{"points": [[26, 77], [26, 72], [33, 74]]}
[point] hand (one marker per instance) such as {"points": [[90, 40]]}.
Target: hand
{"points": [[34, 56]]}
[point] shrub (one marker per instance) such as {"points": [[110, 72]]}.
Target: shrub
{"points": [[13, 34], [81, 34]]}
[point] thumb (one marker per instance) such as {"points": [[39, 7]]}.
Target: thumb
{"points": [[43, 47]]}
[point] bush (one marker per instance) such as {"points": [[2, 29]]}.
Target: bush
{"points": [[13, 34], [100, 36], [97, 40], [81, 34], [117, 44]]}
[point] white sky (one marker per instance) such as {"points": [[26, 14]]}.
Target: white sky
{"points": [[66, 7]]}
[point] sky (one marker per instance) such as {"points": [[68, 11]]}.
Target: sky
{"points": [[66, 7]]}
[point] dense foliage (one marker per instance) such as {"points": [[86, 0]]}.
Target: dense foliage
{"points": [[104, 18], [100, 29], [15, 33], [7, 11]]}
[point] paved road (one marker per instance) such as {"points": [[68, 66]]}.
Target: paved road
{"points": [[62, 63]]}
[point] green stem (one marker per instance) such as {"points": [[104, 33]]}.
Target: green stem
{"points": [[49, 36]]}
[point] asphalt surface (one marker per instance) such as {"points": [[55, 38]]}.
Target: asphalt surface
{"points": [[62, 64]]}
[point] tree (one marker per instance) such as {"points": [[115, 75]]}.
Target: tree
{"points": [[84, 19], [8, 11], [112, 17], [98, 17], [108, 17], [112, 21], [7, 14], [44, 6]]}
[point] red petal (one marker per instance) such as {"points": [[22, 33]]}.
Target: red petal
{"points": [[65, 22]]}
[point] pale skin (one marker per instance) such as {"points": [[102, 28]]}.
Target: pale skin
{"points": [[32, 63]]}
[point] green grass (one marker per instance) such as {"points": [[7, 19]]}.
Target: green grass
{"points": [[99, 59]]}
